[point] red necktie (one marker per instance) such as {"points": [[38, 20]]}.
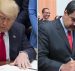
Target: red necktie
{"points": [[2, 48], [70, 38]]}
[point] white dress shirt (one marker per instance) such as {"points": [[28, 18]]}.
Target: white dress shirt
{"points": [[6, 41]]}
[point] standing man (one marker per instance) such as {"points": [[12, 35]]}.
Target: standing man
{"points": [[45, 15], [13, 42], [23, 16], [57, 42], [32, 8]]}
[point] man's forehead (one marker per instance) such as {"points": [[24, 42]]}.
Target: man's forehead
{"points": [[1, 13], [46, 10]]}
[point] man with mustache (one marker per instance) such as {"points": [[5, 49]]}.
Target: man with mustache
{"points": [[57, 42]]}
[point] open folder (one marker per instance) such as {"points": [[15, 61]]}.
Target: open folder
{"points": [[8, 67]]}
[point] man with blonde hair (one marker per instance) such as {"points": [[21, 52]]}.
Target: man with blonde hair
{"points": [[13, 42]]}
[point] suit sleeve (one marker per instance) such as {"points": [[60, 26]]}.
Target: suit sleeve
{"points": [[32, 8], [44, 62], [27, 47]]}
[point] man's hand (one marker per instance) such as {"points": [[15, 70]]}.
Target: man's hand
{"points": [[22, 61], [70, 66]]}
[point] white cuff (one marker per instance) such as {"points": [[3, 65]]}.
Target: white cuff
{"points": [[60, 67]]}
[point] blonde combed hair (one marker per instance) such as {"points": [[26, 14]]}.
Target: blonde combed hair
{"points": [[9, 8]]}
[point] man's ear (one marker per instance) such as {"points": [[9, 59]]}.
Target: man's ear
{"points": [[65, 12]]}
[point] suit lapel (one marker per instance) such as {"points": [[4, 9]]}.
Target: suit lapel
{"points": [[62, 34], [12, 43], [73, 43]]}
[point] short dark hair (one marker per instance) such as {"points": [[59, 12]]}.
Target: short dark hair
{"points": [[70, 7], [44, 9]]}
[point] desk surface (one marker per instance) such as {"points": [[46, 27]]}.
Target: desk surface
{"points": [[4, 66]]}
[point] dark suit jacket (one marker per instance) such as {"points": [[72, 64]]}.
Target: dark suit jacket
{"points": [[43, 21], [54, 48], [18, 42], [23, 16]]}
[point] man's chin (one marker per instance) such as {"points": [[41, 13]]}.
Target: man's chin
{"points": [[4, 30]]}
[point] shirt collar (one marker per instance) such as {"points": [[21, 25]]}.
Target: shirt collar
{"points": [[5, 33], [61, 20]]}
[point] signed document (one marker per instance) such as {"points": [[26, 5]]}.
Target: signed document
{"points": [[8, 67]]}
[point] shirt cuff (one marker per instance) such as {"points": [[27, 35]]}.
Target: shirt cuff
{"points": [[24, 52], [60, 67]]}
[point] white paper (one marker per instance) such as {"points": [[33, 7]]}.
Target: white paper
{"points": [[15, 68]]}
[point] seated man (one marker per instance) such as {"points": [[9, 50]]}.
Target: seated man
{"points": [[56, 42], [13, 41]]}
